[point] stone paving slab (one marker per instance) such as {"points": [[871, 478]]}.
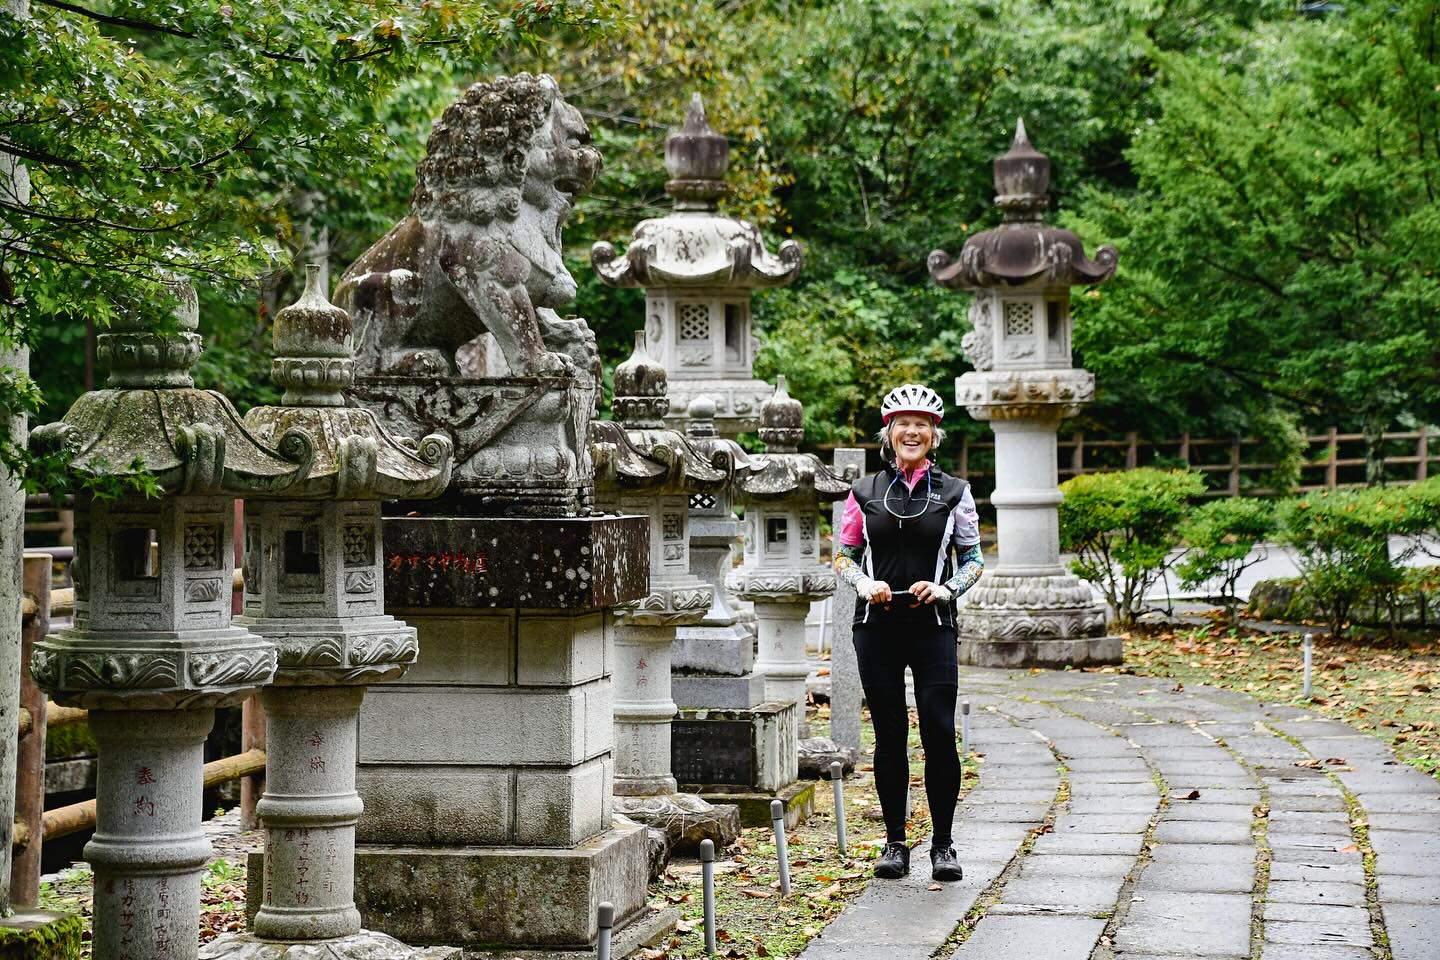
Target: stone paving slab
{"points": [[1187, 924], [1414, 931], [1055, 938], [1188, 891]]}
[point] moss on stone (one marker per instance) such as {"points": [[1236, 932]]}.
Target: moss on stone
{"points": [[41, 936]]}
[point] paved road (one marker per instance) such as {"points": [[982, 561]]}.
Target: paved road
{"points": [[1079, 842]]}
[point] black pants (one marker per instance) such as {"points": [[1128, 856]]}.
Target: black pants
{"points": [[883, 651]]}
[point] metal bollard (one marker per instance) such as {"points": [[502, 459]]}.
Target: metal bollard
{"points": [[1308, 654], [964, 735], [837, 780], [777, 821], [606, 924], [707, 876]]}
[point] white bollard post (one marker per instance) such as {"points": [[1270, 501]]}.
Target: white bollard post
{"points": [[1308, 654], [707, 877], [606, 923], [837, 780], [777, 821], [964, 737]]}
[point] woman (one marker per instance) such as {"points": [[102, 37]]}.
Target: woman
{"points": [[909, 545]]}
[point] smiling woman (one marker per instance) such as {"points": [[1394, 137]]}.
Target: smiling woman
{"points": [[894, 532]]}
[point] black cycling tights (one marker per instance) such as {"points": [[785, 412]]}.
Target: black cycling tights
{"points": [[883, 653]]}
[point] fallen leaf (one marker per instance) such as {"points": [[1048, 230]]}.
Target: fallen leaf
{"points": [[935, 886], [1192, 795], [1348, 848], [755, 892]]}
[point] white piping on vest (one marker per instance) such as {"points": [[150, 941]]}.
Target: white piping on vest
{"points": [[869, 556], [940, 559]]}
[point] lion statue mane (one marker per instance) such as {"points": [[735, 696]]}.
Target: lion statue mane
{"points": [[480, 251]]}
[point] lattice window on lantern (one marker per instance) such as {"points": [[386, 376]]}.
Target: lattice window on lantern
{"points": [[1019, 318], [702, 501], [359, 548], [694, 322], [202, 547]]}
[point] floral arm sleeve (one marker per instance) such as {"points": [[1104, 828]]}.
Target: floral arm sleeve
{"points": [[847, 563], [968, 572]]}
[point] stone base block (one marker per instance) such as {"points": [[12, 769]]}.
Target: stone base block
{"points": [[745, 750], [685, 818], [40, 935], [1054, 654], [713, 649], [365, 945], [502, 898], [713, 692], [647, 930], [798, 797]]}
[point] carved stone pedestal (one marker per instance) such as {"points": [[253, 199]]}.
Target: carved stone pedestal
{"points": [[487, 770], [1049, 621], [519, 441], [365, 945]]}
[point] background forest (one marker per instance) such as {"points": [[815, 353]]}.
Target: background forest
{"points": [[1267, 170]]}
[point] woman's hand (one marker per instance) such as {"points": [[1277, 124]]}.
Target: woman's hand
{"points": [[873, 591], [927, 592]]}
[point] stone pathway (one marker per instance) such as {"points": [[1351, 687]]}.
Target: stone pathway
{"points": [[1120, 819]]}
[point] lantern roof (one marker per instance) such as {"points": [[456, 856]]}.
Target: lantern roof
{"points": [[781, 472], [695, 245], [636, 450], [151, 419], [352, 456], [1023, 249]]}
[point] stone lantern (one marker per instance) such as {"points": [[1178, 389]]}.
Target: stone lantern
{"points": [[782, 574], [1028, 609], [153, 650], [644, 468], [314, 585], [698, 268]]}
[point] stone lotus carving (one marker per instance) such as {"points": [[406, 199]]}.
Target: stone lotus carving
{"points": [[783, 587], [1021, 394], [232, 668], [480, 250]]}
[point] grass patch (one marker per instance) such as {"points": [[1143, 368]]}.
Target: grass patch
{"points": [[1382, 686]]}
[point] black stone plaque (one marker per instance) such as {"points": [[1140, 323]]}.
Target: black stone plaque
{"points": [[713, 752], [547, 564]]}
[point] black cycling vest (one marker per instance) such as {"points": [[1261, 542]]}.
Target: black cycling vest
{"points": [[916, 545]]}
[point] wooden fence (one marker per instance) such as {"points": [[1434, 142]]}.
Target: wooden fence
{"points": [[1232, 466]]}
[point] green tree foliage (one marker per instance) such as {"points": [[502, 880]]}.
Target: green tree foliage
{"points": [[1283, 244], [178, 137], [1122, 528]]}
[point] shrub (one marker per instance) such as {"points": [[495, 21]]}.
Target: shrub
{"points": [[1222, 536], [1342, 539], [1122, 528]]}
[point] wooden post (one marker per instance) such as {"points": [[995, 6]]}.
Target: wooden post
{"points": [[1332, 467], [30, 758], [1077, 456], [1235, 467], [1131, 454], [1422, 454], [1185, 448], [252, 712], [964, 457]]}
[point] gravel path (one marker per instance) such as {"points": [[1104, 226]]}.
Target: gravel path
{"points": [[1118, 817]]}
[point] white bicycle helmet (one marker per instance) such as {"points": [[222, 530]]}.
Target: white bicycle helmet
{"points": [[912, 398]]}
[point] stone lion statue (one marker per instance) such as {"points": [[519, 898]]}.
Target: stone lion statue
{"points": [[480, 251]]}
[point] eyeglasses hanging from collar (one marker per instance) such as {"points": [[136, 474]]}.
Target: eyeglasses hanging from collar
{"points": [[924, 504]]}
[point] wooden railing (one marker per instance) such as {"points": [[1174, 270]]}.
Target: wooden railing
{"points": [[1234, 466]]}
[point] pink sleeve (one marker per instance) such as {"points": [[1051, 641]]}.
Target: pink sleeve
{"points": [[852, 523]]}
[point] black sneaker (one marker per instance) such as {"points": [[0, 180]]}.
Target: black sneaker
{"points": [[944, 865], [894, 861]]}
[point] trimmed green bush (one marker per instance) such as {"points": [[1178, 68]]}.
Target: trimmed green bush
{"points": [[1222, 536], [1342, 541], [1122, 528]]}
